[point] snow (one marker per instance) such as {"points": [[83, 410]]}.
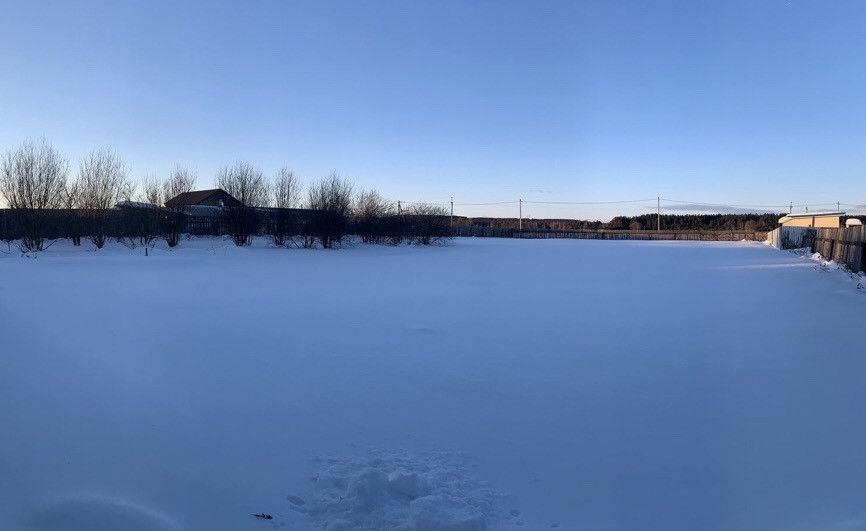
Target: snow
{"points": [[398, 490], [442, 513], [486, 384], [93, 512]]}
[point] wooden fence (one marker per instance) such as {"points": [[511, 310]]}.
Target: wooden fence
{"points": [[690, 235], [845, 245], [792, 237], [533, 234], [482, 232]]}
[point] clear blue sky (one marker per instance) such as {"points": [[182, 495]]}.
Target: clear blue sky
{"points": [[724, 102]]}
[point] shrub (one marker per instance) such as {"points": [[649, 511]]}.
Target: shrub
{"points": [[428, 224], [172, 226], [243, 223], [331, 201], [371, 213]]}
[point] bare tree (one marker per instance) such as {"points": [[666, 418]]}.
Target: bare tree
{"points": [[102, 182], [71, 219], [152, 192], [136, 221], [180, 181], [129, 190], [286, 190], [71, 195], [395, 228], [33, 176], [331, 198], [33, 179], [370, 203], [284, 224], [243, 223], [371, 214], [429, 223], [246, 183], [172, 226]]}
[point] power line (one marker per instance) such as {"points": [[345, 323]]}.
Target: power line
{"points": [[697, 203], [488, 203], [442, 203], [656, 203], [590, 202]]}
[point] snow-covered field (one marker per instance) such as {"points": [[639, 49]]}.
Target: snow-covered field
{"points": [[487, 384]]}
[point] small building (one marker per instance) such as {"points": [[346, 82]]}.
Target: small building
{"points": [[827, 220], [214, 198]]}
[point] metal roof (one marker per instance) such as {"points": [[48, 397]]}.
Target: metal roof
{"points": [[816, 214]]}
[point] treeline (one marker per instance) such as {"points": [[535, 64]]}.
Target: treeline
{"points": [[732, 222], [46, 203], [686, 222], [528, 223]]}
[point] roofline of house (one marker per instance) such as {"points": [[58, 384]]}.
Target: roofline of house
{"points": [[810, 215]]}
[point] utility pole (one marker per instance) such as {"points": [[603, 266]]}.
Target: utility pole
{"points": [[658, 213], [399, 207], [837, 207], [791, 207], [451, 219], [520, 214]]}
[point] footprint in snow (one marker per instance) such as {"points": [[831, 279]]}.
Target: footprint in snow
{"points": [[297, 501]]}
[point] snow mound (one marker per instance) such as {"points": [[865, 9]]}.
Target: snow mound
{"points": [[98, 513], [830, 265], [401, 492], [409, 484]]}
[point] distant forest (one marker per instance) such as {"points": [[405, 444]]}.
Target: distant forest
{"points": [[738, 222]]}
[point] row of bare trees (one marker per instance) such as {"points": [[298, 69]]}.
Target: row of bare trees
{"points": [[242, 180], [133, 225], [335, 211], [332, 211], [35, 178]]}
